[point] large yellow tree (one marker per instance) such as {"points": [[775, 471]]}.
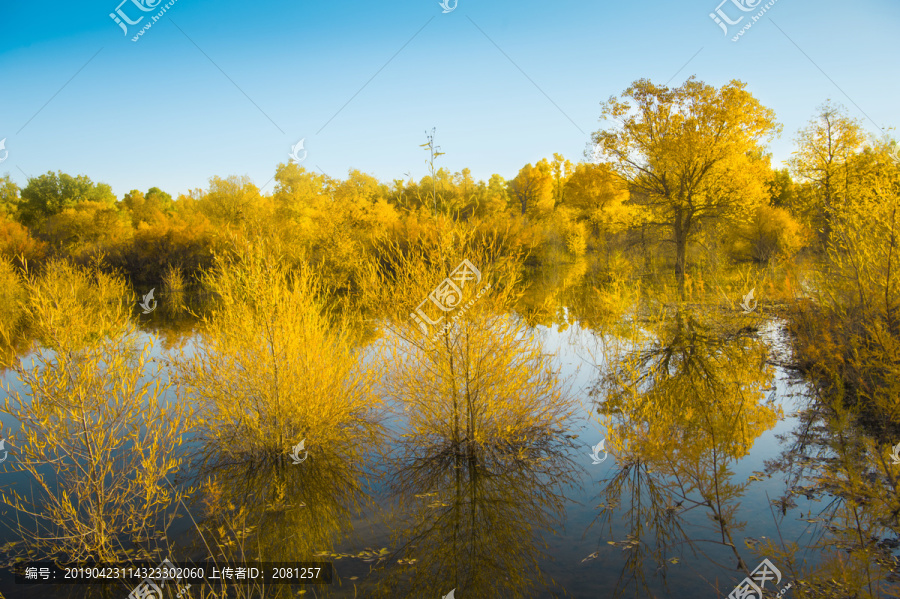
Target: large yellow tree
{"points": [[824, 157], [532, 189], [693, 153]]}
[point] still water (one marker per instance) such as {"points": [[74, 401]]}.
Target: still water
{"points": [[714, 458]]}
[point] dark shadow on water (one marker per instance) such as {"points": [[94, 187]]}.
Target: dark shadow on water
{"points": [[275, 511], [475, 520]]}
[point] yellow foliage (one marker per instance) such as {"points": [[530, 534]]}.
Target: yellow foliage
{"points": [[12, 296], [768, 233], [86, 225], [576, 239], [688, 392], [271, 367], [532, 190], [597, 193], [851, 337], [681, 160], [86, 405]]}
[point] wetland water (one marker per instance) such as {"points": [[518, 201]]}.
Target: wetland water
{"points": [[716, 460]]}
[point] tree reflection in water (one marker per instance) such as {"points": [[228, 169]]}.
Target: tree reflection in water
{"points": [[275, 511], [845, 472], [681, 400], [475, 522], [482, 461]]}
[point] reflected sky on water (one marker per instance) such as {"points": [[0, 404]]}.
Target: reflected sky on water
{"points": [[717, 460]]}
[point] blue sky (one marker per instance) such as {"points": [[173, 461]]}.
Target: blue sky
{"points": [[226, 87]]}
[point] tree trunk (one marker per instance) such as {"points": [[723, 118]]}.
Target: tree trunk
{"points": [[680, 251], [645, 249], [680, 227]]}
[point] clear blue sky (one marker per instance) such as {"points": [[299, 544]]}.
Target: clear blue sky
{"points": [[226, 87]]}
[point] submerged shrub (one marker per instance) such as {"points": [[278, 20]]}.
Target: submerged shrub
{"points": [[270, 368], [848, 337], [471, 378], [92, 433]]}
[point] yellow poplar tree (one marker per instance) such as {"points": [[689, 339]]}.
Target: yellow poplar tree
{"points": [[693, 153], [825, 151], [532, 189]]}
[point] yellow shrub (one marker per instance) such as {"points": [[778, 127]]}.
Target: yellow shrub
{"points": [[770, 232], [271, 369], [84, 403]]}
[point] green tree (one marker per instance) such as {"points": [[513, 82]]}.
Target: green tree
{"points": [[693, 152], [50, 194], [150, 208], [9, 196], [86, 224], [157, 199]]}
